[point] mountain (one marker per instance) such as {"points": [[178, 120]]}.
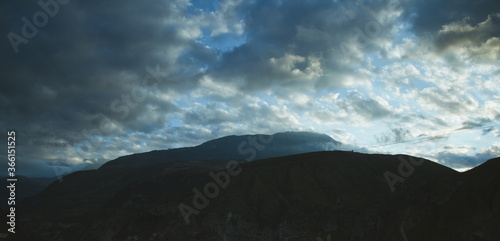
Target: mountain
{"points": [[344, 195], [26, 187], [462, 207], [326, 195], [245, 147]]}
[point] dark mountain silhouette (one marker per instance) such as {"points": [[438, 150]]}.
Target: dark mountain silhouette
{"points": [[311, 196], [342, 194], [466, 207], [26, 187], [245, 147], [225, 148]]}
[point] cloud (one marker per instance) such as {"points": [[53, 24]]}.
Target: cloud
{"points": [[64, 81], [302, 48], [449, 101], [400, 74], [480, 42], [370, 108], [294, 66], [208, 115], [101, 79], [429, 16], [483, 122], [343, 136], [355, 108], [456, 157], [490, 130], [395, 135]]}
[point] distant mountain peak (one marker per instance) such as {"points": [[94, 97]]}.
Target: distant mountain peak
{"points": [[288, 137], [241, 147]]}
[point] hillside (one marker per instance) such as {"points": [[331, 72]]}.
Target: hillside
{"points": [[299, 197], [26, 187]]}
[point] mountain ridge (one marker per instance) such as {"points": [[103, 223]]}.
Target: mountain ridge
{"points": [[239, 147], [270, 197], [345, 194]]}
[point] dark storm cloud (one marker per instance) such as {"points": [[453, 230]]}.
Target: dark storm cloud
{"points": [[62, 83], [123, 70], [92, 53], [456, 35], [462, 30], [428, 16], [89, 54], [76, 66], [305, 44], [459, 27]]}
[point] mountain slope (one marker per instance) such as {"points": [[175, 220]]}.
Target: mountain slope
{"points": [[246, 147], [26, 187], [124, 170], [343, 194], [249, 147]]}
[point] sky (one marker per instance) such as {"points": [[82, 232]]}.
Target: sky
{"points": [[89, 81]]}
